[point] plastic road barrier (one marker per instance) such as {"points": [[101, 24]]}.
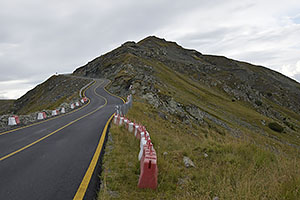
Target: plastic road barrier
{"points": [[131, 126], [148, 169], [12, 121], [136, 129], [41, 115], [121, 121], [54, 112], [115, 119], [17, 119]]}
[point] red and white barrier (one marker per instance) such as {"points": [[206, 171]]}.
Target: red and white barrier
{"points": [[14, 120], [147, 155], [72, 105], [41, 115], [84, 100], [77, 104], [145, 138], [139, 131], [126, 123], [131, 127], [63, 110], [148, 168], [17, 119], [121, 121], [136, 129], [55, 112], [116, 119]]}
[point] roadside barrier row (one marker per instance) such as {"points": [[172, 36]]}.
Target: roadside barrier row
{"points": [[147, 155], [14, 120], [124, 108]]}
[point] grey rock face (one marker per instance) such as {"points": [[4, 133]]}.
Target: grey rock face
{"points": [[188, 162]]}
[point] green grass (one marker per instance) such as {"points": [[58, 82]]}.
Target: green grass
{"points": [[51, 94], [253, 166], [5, 105], [234, 169]]}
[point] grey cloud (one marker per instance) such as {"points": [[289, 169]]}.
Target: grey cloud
{"points": [[39, 38]]}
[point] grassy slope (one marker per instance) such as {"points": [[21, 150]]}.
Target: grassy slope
{"points": [[252, 167], [234, 169], [51, 94], [5, 105]]}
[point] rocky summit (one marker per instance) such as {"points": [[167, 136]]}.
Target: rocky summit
{"points": [[165, 75]]}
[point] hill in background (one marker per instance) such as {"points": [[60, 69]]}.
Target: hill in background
{"points": [[244, 117], [47, 95], [201, 88]]}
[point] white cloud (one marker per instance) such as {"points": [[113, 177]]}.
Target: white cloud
{"points": [[291, 70], [39, 38], [15, 88]]}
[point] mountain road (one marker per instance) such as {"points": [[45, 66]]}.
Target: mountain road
{"points": [[58, 158]]}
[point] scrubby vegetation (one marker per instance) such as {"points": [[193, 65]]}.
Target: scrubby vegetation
{"points": [[233, 168]]}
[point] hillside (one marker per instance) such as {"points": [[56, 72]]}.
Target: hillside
{"points": [[201, 88], [5, 105], [49, 94], [244, 117]]}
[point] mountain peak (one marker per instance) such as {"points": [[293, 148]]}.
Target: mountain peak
{"points": [[153, 40]]}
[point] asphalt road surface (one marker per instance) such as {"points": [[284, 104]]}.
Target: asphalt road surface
{"points": [[57, 159]]}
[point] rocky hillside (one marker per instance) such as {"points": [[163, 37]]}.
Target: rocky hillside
{"points": [[49, 94], [238, 123], [203, 89]]}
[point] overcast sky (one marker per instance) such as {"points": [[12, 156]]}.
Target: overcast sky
{"points": [[39, 37]]}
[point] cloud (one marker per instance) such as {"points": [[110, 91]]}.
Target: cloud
{"points": [[292, 71], [11, 89], [39, 38]]}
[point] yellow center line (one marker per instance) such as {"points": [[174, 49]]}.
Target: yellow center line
{"points": [[39, 140], [37, 123], [88, 175], [113, 94]]}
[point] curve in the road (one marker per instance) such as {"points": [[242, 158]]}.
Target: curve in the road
{"points": [[17, 169], [37, 123], [57, 130], [88, 175]]}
